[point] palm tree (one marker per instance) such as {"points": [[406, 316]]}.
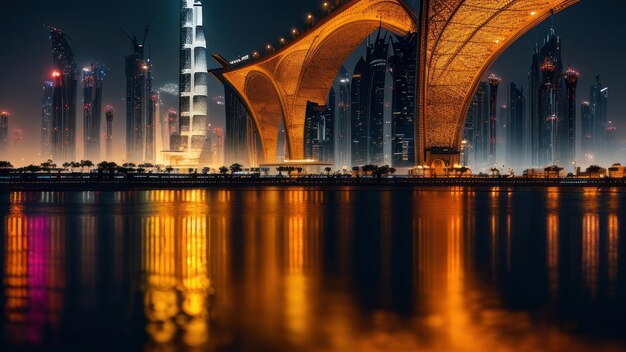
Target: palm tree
{"points": [[67, 165], [235, 168], [223, 170], [594, 171], [553, 171], [5, 165], [86, 164], [328, 170]]}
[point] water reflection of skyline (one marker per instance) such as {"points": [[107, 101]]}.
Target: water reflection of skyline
{"points": [[308, 268]]}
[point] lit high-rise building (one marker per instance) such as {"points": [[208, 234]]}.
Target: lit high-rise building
{"points": [[547, 102], [4, 135], [587, 130], [63, 128], [343, 155], [598, 99], [515, 127], [47, 109], [360, 112], [93, 78], [476, 134], [368, 103], [403, 67], [193, 109], [237, 128], [153, 143], [494, 83], [138, 102], [549, 152], [319, 129], [611, 142], [568, 137], [18, 137], [109, 113], [377, 59]]}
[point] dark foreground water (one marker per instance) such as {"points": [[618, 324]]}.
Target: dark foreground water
{"points": [[314, 270]]}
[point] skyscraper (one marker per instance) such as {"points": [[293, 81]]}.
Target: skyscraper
{"points": [[63, 127], [476, 134], [93, 78], [47, 112], [152, 127], [360, 113], [547, 102], [343, 155], [4, 135], [611, 142], [403, 67], [172, 128], [368, 103], [18, 137], [319, 130], [598, 99], [568, 137], [549, 152], [194, 104], [109, 112], [377, 59], [138, 100], [515, 127], [587, 130], [494, 83], [237, 121]]}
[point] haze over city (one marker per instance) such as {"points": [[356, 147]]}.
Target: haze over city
{"points": [[235, 29]]}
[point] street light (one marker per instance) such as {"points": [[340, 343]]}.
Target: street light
{"points": [[309, 20]]}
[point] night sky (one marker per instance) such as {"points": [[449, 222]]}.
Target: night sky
{"points": [[592, 34]]}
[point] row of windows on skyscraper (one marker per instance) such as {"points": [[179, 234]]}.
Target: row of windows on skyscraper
{"points": [[539, 126], [363, 122]]}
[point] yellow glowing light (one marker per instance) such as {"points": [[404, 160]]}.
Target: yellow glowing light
{"points": [[533, 13]]}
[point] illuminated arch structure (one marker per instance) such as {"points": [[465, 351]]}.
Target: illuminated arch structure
{"points": [[460, 39]]}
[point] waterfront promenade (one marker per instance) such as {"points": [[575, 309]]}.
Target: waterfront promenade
{"points": [[106, 182]]}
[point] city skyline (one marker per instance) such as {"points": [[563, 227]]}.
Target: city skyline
{"points": [[165, 17]]}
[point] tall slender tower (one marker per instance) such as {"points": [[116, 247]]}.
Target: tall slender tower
{"points": [[568, 142], [109, 112], [92, 110], [193, 110], [138, 94], [403, 67], [516, 133], [47, 110], [547, 102], [494, 83], [598, 98], [377, 58], [360, 112], [63, 132], [587, 129], [342, 119], [4, 135]]}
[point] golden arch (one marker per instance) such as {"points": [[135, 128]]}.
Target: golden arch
{"points": [[306, 69], [460, 39]]}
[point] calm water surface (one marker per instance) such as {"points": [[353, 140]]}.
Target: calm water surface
{"points": [[314, 270]]}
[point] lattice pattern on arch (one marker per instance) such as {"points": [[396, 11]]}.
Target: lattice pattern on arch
{"points": [[460, 39]]}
